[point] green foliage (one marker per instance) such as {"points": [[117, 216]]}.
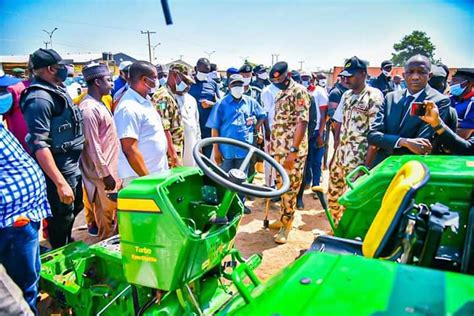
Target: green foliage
{"points": [[415, 43]]}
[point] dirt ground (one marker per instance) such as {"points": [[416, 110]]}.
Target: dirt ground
{"points": [[252, 238]]}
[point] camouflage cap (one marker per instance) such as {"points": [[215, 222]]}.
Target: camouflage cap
{"points": [[184, 71]]}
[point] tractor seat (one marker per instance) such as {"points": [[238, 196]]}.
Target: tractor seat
{"points": [[381, 239]]}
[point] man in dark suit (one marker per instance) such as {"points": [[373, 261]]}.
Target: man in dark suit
{"points": [[395, 131]]}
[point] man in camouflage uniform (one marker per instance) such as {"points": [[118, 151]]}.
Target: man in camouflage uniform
{"points": [[168, 108], [356, 111], [288, 140]]}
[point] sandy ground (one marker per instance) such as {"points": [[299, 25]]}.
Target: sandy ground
{"points": [[252, 238]]}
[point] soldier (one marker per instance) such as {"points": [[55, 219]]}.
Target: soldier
{"points": [[166, 105], [288, 141], [249, 90], [353, 116]]}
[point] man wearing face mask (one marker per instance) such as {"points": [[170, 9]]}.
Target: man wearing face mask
{"points": [[384, 80], [100, 156], [462, 99], [261, 77], [356, 111], [235, 116], [179, 82], [6, 97], [166, 105], [322, 80], [55, 138], [206, 92], [288, 140], [121, 81], [252, 91], [139, 126]]}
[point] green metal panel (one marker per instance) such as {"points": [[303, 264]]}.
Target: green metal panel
{"points": [[328, 284], [167, 249], [451, 183]]}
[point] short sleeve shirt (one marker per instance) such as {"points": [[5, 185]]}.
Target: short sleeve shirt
{"points": [[321, 99], [236, 120], [135, 117], [204, 90]]}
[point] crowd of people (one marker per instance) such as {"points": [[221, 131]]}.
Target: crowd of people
{"points": [[63, 150]]}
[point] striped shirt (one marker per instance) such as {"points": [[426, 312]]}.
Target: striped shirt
{"points": [[22, 183]]}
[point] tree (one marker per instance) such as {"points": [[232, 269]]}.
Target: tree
{"points": [[415, 43]]}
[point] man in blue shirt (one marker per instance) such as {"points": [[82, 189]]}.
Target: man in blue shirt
{"points": [[235, 116], [206, 93], [121, 81], [23, 205]]}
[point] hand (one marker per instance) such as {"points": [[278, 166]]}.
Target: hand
{"points": [[319, 141], [66, 196], [109, 183], [432, 114], [290, 161], [419, 146], [217, 155], [206, 104]]}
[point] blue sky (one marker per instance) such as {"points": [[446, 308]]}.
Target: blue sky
{"points": [[321, 33]]}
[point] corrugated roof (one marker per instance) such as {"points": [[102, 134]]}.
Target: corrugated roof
{"points": [[77, 58]]}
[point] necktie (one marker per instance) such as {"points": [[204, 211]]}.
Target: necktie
{"points": [[406, 108]]}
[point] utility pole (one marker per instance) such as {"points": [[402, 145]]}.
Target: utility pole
{"points": [[275, 58], [209, 54], [50, 35], [154, 47], [301, 62], [181, 57], [46, 44], [148, 32]]}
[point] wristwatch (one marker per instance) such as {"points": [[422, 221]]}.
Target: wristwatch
{"points": [[438, 127], [293, 149]]}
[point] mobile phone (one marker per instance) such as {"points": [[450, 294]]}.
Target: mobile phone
{"points": [[418, 109]]}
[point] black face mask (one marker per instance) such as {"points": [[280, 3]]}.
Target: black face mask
{"points": [[283, 85]]}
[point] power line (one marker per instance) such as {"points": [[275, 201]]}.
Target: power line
{"points": [[148, 32]]}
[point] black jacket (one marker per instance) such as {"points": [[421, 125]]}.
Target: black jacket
{"points": [[383, 83], [456, 144]]}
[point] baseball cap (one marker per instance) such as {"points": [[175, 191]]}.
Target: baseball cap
{"points": [[46, 57], [353, 65], [184, 71], [386, 63], [7, 80], [236, 78]]}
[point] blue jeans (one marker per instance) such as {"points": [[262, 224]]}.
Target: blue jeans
{"points": [[234, 163], [314, 161], [19, 254]]}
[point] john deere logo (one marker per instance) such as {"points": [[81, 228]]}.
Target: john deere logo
{"points": [[347, 65]]}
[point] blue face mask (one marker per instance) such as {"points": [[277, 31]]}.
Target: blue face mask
{"points": [[163, 81], [456, 89], [69, 81], [181, 87], [6, 102]]}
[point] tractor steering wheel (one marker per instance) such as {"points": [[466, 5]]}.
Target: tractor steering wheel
{"points": [[236, 179]]}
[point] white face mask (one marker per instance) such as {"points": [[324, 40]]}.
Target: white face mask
{"points": [[322, 82], [263, 76], [181, 87], [163, 81], [214, 75], [386, 73], [153, 89], [247, 81], [202, 76], [305, 84], [237, 92]]}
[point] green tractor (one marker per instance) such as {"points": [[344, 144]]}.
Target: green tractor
{"points": [[404, 246]]}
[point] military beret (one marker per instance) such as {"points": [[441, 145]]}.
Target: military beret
{"points": [[245, 68], [279, 69], [94, 71], [465, 72], [295, 75]]}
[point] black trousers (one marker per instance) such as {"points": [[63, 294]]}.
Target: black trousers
{"points": [[60, 224]]}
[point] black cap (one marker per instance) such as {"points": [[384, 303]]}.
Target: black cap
{"points": [[386, 63], [203, 61], [295, 75], [465, 72], [321, 76], [259, 69], [278, 70], [213, 67], [245, 68], [352, 66], [46, 57]]}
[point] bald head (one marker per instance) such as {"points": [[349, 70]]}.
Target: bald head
{"points": [[419, 60]]}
